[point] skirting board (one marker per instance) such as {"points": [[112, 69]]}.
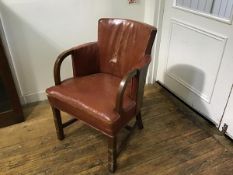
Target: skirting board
{"points": [[34, 97]]}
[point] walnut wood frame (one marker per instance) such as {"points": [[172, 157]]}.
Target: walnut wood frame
{"points": [[15, 114], [138, 73]]}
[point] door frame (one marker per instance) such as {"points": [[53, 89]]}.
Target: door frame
{"points": [[157, 22]]}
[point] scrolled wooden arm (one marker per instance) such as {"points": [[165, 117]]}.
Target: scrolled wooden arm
{"points": [[122, 88], [63, 55], [140, 72], [57, 65]]}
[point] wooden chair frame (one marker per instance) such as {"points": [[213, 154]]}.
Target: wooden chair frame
{"points": [[140, 74]]}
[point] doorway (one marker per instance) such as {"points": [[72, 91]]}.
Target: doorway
{"points": [[195, 58]]}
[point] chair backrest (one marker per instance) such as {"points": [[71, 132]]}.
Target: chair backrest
{"points": [[123, 44]]}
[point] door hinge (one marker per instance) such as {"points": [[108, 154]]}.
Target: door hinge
{"points": [[224, 128]]}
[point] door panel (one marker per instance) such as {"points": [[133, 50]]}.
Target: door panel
{"points": [[191, 46], [195, 60]]}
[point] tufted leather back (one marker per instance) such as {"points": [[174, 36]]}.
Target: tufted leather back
{"points": [[123, 45]]}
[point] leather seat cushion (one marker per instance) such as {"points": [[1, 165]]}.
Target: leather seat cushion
{"points": [[92, 99]]}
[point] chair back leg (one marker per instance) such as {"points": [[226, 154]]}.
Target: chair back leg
{"points": [[58, 123], [112, 154], [139, 120]]}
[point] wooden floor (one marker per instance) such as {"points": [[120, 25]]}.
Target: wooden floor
{"points": [[174, 140]]}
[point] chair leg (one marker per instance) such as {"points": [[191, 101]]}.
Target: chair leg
{"points": [[58, 123], [112, 154], [139, 120]]}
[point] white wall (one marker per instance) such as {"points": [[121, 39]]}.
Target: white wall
{"points": [[38, 30]]}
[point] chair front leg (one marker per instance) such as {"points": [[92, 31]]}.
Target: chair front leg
{"points": [[58, 123], [139, 120], [112, 154]]}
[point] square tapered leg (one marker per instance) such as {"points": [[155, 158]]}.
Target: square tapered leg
{"points": [[112, 154], [58, 123], [139, 120]]}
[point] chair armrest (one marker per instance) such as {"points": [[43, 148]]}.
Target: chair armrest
{"points": [[140, 72], [57, 65], [122, 88], [73, 52]]}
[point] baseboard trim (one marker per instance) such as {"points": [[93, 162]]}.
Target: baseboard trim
{"points": [[33, 97], [187, 105]]}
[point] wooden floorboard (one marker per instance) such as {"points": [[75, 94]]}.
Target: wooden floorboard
{"points": [[175, 141]]}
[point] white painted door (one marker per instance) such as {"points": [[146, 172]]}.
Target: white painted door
{"points": [[196, 53]]}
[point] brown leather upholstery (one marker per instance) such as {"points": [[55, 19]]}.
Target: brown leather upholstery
{"points": [[122, 45], [109, 75], [85, 59], [92, 99]]}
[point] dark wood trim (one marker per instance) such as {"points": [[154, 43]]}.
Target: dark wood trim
{"points": [[58, 123], [14, 115], [121, 90], [112, 154], [69, 122], [57, 65], [139, 120], [8, 118]]}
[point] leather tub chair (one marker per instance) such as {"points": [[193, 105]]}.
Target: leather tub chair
{"points": [[106, 89]]}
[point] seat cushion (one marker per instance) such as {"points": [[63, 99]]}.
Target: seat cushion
{"points": [[92, 99]]}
